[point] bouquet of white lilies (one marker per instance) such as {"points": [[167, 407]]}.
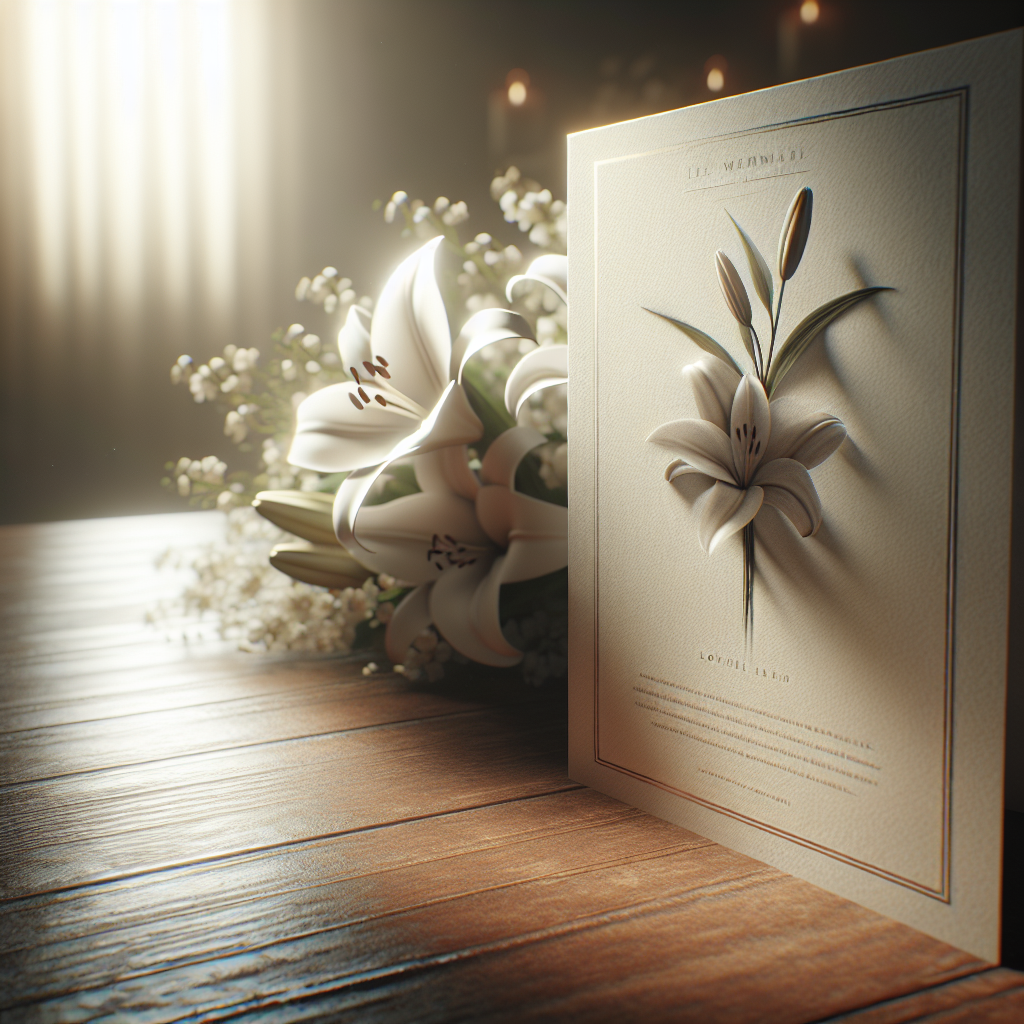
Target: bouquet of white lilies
{"points": [[419, 465]]}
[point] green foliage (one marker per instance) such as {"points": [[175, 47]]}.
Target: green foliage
{"points": [[492, 412], [808, 329], [704, 341], [400, 482]]}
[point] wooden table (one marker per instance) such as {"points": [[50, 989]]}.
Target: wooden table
{"points": [[189, 831]]}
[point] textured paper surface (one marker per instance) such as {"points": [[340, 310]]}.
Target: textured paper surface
{"points": [[835, 744]]}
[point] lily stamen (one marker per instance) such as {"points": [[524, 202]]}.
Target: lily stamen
{"points": [[355, 401], [364, 396], [448, 551], [370, 368], [355, 374], [383, 401]]}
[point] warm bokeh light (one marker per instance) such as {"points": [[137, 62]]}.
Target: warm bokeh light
{"points": [[809, 11], [517, 82], [517, 94], [716, 79]]}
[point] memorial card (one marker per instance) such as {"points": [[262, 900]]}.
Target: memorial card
{"points": [[792, 324]]}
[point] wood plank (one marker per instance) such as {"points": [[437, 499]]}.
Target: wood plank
{"points": [[288, 703], [995, 996], [629, 912], [123, 821], [77, 939]]}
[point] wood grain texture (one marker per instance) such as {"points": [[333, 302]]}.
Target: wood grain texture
{"points": [[191, 832]]}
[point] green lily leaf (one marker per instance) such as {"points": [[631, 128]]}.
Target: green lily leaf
{"points": [[705, 341], [809, 328], [759, 272]]}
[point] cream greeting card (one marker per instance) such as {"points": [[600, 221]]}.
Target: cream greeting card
{"points": [[792, 329]]}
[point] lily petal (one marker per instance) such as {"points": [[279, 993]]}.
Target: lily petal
{"points": [[485, 612], [678, 468], [789, 488], [551, 270], [332, 434], [407, 621], [749, 427], [727, 510], [446, 469], [538, 542], [307, 514], [453, 423], [347, 505], [452, 601], [703, 445], [320, 564], [542, 368], [809, 439], [534, 531], [354, 338], [483, 329], [410, 328], [506, 452], [714, 387]]}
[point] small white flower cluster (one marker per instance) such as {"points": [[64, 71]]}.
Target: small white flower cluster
{"points": [[488, 265], [536, 212], [264, 610], [221, 375], [426, 218], [426, 657], [329, 290], [314, 359], [207, 471], [546, 642]]}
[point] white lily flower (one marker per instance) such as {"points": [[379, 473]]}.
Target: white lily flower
{"points": [[458, 541], [756, 456], [406, 393]]}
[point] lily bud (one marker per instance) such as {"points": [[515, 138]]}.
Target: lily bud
{"points": [[304, 513], [732, 288], [320, 565], [794, 233]]}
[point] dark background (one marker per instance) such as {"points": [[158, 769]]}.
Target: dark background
{"points": [[395, 94]]}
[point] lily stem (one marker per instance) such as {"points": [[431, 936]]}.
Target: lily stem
{"points": [[775, 328], [759, 358], [748, 582]]}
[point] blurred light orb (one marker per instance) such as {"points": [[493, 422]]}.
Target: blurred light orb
{"points": [[809, 11], [716, 79], [517, 94]]}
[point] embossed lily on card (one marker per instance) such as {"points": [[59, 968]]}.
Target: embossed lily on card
{"points": [[756, 451]]}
